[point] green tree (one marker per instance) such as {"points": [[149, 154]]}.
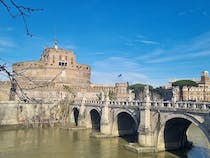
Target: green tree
{"points": [[166, 94], [99, 96], [112, 95], [138, 88], [181, 84]]}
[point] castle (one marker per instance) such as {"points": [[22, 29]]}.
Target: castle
{"points": [[56, 76]]}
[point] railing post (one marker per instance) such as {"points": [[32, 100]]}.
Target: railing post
{"points": [[177, 105], [161, 104], [204, 106], [155, 103], [81, 118], [105, 118], [145, 133], [194, 106], [169, 104], [185, 105]]}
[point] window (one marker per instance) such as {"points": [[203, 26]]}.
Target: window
{"points": [[61, 63], [53, 59], [60, 57], [66, 58], [46, 57]]}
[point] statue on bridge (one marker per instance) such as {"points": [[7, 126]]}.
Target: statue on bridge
{"points": [[146, 94]]}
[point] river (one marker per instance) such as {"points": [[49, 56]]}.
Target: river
{"points": [[59, 143]]}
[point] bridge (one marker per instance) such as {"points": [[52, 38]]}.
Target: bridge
{"points": [[158, 124]]}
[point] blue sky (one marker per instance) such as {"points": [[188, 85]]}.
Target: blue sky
{"points": [[147, 41]]}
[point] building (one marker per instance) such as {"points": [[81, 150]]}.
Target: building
{"points": [[119, 91], [200, 93], [57, 75], [5, 90]]}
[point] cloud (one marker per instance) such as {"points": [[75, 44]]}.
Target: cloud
{"points": [[150, 55], [116, 64], [148, 42], [182, 13], [108, 70], [130, 44], [6, 43], [7, 29], [198, 11], [3, 77], [197, 47], [99, 53], [204, 13], [1, 49], [201, 54], [138, 39], [161, 60], [70, 46], [140, 36], [112, 77]]}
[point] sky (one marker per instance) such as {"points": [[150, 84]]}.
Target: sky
{"points": [[146, 41]]}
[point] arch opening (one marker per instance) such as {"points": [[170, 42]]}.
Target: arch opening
{"points": [[175, 134], [127, 128], [95, 120], [76, 116]]}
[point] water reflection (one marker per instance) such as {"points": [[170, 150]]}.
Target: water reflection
{"points": [[58, 143]]}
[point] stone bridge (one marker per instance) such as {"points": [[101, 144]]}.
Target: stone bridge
{"points": [[158, 124]]}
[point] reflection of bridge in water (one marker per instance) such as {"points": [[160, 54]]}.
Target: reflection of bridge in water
{"points": [[158, 124]]}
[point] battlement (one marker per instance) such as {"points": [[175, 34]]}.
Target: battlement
{"points": [[27, 65]]}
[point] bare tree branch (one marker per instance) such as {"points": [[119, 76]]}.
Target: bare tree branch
{"points": [[14, 85], [20, 10]]}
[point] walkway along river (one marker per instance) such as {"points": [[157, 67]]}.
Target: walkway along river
{"points": [[59, 143]]}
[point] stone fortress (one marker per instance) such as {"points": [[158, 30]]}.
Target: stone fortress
{"points": [[57, 75]]}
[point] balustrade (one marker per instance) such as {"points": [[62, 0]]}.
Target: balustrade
{"points": [[154, 104]]}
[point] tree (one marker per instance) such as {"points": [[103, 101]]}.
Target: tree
{"points": [[15, 10], [112, 95], [181, 84], [14, 85], [166, 94], [138, 88]]}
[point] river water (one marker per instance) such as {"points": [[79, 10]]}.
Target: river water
{"points": [[59, 143]]}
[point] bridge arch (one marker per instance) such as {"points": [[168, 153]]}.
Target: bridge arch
{"points": [[74, 115], [93, 118], [172, 134], [124, 123]]}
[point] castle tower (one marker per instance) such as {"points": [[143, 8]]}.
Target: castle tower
{"points": [[204, 76]]}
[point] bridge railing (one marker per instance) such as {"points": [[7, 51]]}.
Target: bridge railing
{"points": [[154, 104], [125, 103], [182, 105], [111, 103]]}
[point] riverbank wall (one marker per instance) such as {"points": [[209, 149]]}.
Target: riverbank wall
{"points": [[17, 114]]}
